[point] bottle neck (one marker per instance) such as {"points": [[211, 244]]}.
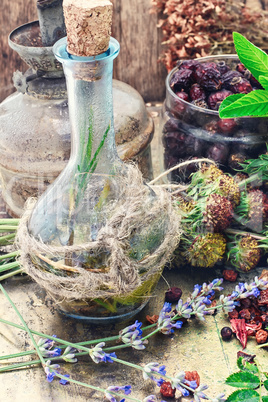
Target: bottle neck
{"points": [[90, 99]]}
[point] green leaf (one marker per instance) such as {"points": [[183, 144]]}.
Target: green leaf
{"points": [[263, 81], [229, 101], [253, 104], [243, 380], [246, 366], [264, 398], [253, 58], [266, 384], [245, 395]]}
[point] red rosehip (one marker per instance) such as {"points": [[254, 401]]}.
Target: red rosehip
{"points": [[166, 390], [216, 98], [173, 294], [197, 92]]}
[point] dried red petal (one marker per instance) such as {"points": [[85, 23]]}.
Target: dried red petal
{"points": [[233, 314], [245, 313], [230, 275], [263, 298], [166, 390], [247, 357], [253, 328], [239, 328], [152, 319]]}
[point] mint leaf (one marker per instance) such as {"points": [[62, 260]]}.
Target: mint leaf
{"points": [[243, 380], [253, 104], [266, 384], [245, 395], [229, 100], [263, 81], [253, 58], [264, 398]]}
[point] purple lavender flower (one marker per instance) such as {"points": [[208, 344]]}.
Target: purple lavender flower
{"points": [[183, 310], [165, 323], [150, 369], [133, 335], [199, 394], [98, 355], [69, 355], [196, 291], [64, 381], [199, 310], [260, 283], [151, 398], [125, 388], [219, 398], [228, 303], [50, 370]]}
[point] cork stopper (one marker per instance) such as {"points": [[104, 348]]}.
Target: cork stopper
{"points": [[88, 25]]}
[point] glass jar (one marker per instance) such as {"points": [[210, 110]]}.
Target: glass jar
{"points": [[35, 129], [77, 207], [192, 132]]}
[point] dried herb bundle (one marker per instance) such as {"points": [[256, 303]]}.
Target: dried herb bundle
{"points": [[193, 28]]}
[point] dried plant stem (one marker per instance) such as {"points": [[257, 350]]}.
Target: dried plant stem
{"points": [[179, 166]]}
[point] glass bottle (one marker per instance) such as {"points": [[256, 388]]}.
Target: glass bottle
{"points": [[77, 205]]}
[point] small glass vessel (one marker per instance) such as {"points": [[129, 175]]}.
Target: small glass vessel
{"points": [[77, 206], [192, 132]]}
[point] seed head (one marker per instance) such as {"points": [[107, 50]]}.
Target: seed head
{"points": [[206, 250]]}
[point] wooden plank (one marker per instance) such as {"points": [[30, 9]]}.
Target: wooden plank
{"points": [[12, 15], [140, 41]]}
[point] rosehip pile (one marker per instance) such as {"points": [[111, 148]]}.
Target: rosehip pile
{"points": [[191, 132]]}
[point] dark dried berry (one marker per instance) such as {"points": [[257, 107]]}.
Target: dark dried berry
{"points": [[208, 76], [173, 294], [200, 103], [218, 153], [230, 78], [245, 303], [226, 126], [170, 125], [166, 390], [183, 95], [226, 333], [215, 98], [241, 68], [182, 79], [241, 87], [193, 146], [255, 83], [172, 141], [197, 92], [188, 64], [222, 67]]}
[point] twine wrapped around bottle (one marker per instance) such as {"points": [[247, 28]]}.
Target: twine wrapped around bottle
{"points": [[132, 212]]}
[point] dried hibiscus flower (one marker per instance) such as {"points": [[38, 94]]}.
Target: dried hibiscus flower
{"points": [[240, 330]]}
